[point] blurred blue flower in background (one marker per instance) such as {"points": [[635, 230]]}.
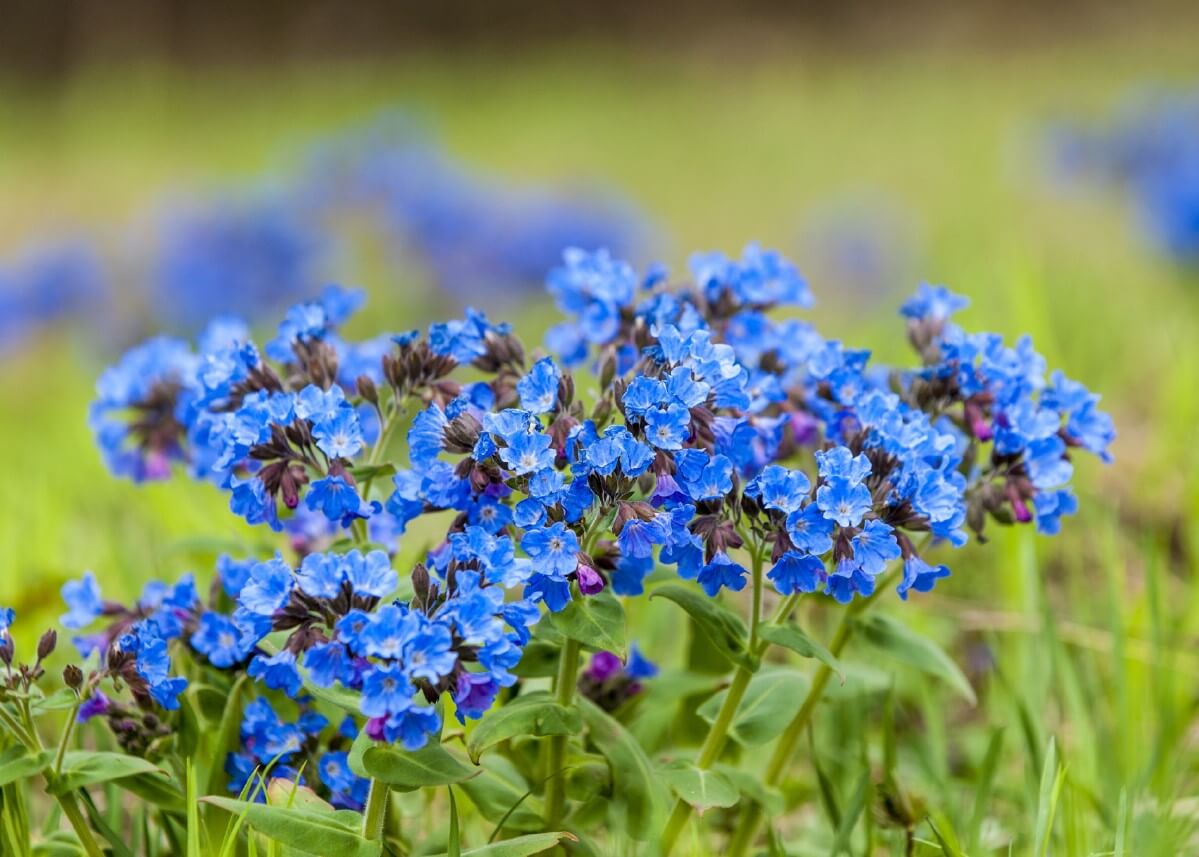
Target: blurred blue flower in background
{"points": [[49, 283], [1150, 148]]}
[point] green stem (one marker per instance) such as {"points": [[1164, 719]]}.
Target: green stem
{"points": [[564, 691], [66, 799], [751, 812], [375, 812], [717, 736], [66, 739]]}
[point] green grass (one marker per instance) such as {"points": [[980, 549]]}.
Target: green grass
{"points": [[1087, 639]]}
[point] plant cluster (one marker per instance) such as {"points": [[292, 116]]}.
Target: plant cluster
{"points": [[684, 439]]}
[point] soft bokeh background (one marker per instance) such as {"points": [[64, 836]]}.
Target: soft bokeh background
{"points": [[877, 150]]}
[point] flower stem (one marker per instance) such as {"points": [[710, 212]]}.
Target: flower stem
{"points": [[751, 811], [564, 691], [375, 812], [717, 736]]}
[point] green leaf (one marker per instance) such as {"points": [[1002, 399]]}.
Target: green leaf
{"points": [[791, 637], [454, 845], [853, 811], [521, 846], [86, 768], [284, 792], [982, 793], [210, 772], [773, 697], [903, 644], [1053, 777], [945, 834], [752, 787], [535, 714], [503, 797], [700, 788], [62, 699], [540, 657], [724, 628], [432, 765], [17, 763], [307, 830], [358, 748], [155, 789], [596, 621], [366, 472], [637, 797]]}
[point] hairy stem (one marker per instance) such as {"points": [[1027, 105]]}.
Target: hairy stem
{"points": [[564, 691], [375, 812]]}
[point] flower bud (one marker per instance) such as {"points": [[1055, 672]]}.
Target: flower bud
{"points": [[590, 581], [72, 677], [6, 649], [366, 389], [45, 646]]}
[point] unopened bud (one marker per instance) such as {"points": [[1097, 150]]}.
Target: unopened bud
{"points": [[6, 649], [45, 646], [72, 677], [607, 369], [366, 389]]}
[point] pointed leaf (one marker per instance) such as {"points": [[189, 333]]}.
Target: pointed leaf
{"points": [[535, 714], [700, 788], [17, 763], [791, 637], [503, 797], [597, 621], [773, 697], [85, 768], [307, 830], [521, 846], [432, 765], [637, 795], [724, 628], [903, 644]]}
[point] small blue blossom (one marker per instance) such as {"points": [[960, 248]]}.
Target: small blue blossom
{"points": [[84, 604], [219, 640], [844, 502], [796, 572], [277, 672], [339, 435], [722, 572], [538, 389], [554, 549], [669, 427], [919, 576]]}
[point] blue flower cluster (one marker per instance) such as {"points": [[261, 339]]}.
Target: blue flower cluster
{"points": [[715, 431], [48, 283], [476, 234], [1151, 148]]}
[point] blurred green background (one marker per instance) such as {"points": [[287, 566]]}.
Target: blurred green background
{"points": [[722, 141]]}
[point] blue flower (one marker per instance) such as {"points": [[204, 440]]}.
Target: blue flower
{"points": [[337, 500], [528, 452], [320, 575], [668, 428], [702, 476], [844, 502], [781, 489], [347, 790], [426, 436], [848, 580], [918, 575], [840, 463], [1049, 507], [269, 587], [933, 303], [642, 394], [795, 572], [385, 689], [278, 672], [328, 663], [428, 652], [7, 617], [628, 578], [370, 575], [385, 635], [233, 573], [637, 537], [410, 727], [538, 389], [721, 572], [553, 591], [220, 640], [639, 667], [875, 546], [339, 435], [555, 549], [83, 601]]}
